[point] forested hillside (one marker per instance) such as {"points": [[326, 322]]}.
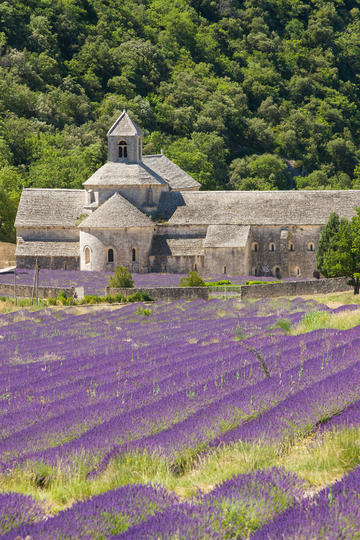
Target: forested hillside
{"points": [[256, 94]]}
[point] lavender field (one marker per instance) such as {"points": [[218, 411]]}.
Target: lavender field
{"points": [[179, 420], [95, 282]]}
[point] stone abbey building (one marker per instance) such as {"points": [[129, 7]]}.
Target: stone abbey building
{"points": [[146, 213]]}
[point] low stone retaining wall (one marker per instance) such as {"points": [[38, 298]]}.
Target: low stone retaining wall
{"points": [[165, 293], [296, 288], [284, 288], [25, 291]]}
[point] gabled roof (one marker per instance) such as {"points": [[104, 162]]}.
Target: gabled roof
{"points": [[50, 207], [227, 236], [174, 175], [124, 126], [116, 213], [278, 208], [124, 174]]}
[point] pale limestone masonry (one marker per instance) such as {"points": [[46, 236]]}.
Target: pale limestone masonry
{"points": [[146, 213]]}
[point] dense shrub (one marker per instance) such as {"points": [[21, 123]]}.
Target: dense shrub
{"points": [[122, 278], [193, 279]]}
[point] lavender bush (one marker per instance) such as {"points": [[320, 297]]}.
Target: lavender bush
{"points": [[16, 509], [332, 513]]}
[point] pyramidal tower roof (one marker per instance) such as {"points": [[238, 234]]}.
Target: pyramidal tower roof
{"points": [[124, 126]]}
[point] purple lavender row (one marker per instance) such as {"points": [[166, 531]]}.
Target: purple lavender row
{"points": [[199, 429], [16, 509], [107, 431], [230, 510], [46, 377], [301, 412], [119, 426], [141, 511], [333, 513], [349, 417], [100, 515]]}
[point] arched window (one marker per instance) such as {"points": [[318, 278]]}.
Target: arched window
{"points": [[271, 246], [195, 267], [87, 255], [254, 271], [122, 149], [311, 246], [255, 246], [224, 270], [133, 254], [298, 271], [291, 247], [110, 255], [277, 272]]}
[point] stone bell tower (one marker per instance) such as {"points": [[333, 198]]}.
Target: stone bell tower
{"points": [[125, 140]]}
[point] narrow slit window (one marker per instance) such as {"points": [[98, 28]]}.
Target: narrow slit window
{"points": [[110, 255], [271, 246], [311, 246], [87, 255], [224, 270], [133, 255]]}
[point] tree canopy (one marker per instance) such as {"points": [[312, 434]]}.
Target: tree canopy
{"points": [[338, 252], [257, 94]]}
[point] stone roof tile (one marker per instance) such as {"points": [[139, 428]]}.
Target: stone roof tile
{"points": [[257, 207], [124, 174], [177, 247], [50, 207], [116, 213], [124, 126], [174, 175], [226, 236]]}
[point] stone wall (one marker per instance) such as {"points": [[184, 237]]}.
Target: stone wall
{"points": [[25, 291], [284, 288], [7, 254], [232, 261], [178, 264], [122, 242], [291, 253], [295, 288], [55, 234], [52, 263], [166, 293]]}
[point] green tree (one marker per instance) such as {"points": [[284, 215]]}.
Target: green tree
{"points": [[338, 251], [266, 171], [193, 279], [8, 207], [121, 279]]}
